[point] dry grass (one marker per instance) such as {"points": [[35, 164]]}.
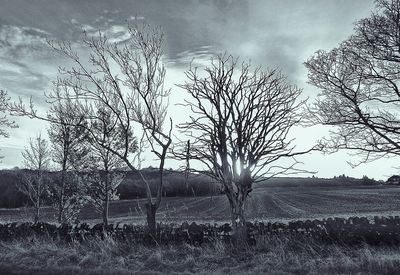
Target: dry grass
{"points": [[269, 256]]}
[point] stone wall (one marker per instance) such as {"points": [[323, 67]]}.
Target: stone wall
{"points": [[354, 230]]}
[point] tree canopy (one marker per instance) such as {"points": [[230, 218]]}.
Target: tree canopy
{"points": [[359, 86]]}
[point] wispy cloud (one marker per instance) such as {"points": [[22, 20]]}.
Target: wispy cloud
{"points": [[17, 42], [26, 63], [116, 33]]}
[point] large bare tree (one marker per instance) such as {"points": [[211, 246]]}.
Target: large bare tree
{"points": [[37, 158], [127, 80], [240, 127], [359, 86]]}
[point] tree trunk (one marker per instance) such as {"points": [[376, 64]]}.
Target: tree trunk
{"points": [[151, 219], [60, 210], [150, 207], [61, 198], [238, 202], [105, 210], [107, 182], [37, 214], [38, 202], [238, 223]]}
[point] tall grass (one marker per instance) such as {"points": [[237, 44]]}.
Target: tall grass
{"points": [[271, 255]]}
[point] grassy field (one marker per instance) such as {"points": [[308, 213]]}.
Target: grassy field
{"points": [[265, 203], [270, 256]]}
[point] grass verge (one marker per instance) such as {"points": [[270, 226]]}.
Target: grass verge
{"points": [[271, 255]]}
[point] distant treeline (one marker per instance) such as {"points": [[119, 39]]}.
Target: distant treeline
{"points": [[176, 184], [341, 180]]}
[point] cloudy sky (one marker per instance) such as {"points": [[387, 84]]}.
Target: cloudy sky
{"points": [[272, 33]]}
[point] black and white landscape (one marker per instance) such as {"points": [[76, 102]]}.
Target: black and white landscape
{"points": [[207, 137]]}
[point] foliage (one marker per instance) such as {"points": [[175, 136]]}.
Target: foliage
{"points": [[68, 138], [100, 174], [102, 190], [75, 196]]}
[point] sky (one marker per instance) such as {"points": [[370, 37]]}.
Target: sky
{"points": [[279, 34]]}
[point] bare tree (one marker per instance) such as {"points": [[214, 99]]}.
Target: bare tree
{"points": [[69, 149], [128, 81], [239, 128], [359, 81], [105, 168], [37, 157]]}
